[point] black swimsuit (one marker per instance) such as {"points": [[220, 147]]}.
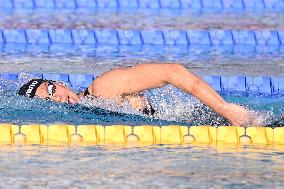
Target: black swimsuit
{"points": [[147, 110]]}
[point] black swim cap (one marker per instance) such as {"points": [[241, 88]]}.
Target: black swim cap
{"points": [[30, 88]]}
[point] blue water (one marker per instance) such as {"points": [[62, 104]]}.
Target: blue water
{"points": [[160, 166], [172, 105]]}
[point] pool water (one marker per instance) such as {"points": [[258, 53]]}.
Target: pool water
{"points": [[156, 166], [143, 167]]}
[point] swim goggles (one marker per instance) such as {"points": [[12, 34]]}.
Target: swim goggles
{"points": [[51, 89]]}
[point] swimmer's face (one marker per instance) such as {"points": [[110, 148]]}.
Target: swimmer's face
{"points": [[56, 92]]}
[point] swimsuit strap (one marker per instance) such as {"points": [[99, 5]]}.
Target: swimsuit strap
{"points": [[149, 110], [86, 92]]}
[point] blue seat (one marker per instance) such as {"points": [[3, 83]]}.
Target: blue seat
{"points": [[15, 36], [60, 36], [6, 5], [24, 4], [198, 37], [260, 85], [152, 37], [152, 4], [9, 76], [233, 4], [81, 80], [174, 37], [215, 82], [65, 4], [104, 36], [129, 37], [274, 4], [173, 4], [84, 37], [191, 4], [113, 4], [44, 4], [56, 77], [267, 38], [244, 37], [209, 4], [253, 4], [128, 4], [37, 36], [86, 4], [221, 37], [234, 84]]}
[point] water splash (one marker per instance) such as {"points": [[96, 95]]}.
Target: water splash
{"points": [[172, 107]]}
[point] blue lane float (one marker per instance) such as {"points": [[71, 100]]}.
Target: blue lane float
{"points": [[141, 37], [232, 5], [223, 84]]}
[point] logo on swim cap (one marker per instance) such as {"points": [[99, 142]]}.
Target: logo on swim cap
{"points": [[30, 88]]}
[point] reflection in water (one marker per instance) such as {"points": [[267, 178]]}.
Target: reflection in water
{"points": [[152, 167]]}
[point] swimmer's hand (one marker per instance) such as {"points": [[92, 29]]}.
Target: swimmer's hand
{"points": [[240, 116]]}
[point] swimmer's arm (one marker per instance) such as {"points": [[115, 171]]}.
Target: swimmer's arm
{"points": [[141, 77]]}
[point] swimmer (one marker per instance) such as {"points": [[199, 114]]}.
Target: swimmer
{"points": [[127, 84]]}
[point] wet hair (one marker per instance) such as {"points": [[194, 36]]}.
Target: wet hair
{"points": [[29, 89]]}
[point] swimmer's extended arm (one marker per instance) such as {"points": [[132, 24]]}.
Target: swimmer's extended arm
{"points": [[124, 81]]}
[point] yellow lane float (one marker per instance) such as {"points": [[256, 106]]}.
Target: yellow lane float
{"points": [[144, 134]]}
